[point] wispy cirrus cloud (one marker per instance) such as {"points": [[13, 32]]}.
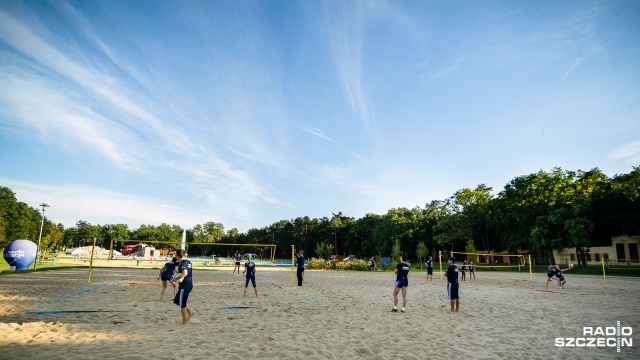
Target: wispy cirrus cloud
{"points": [[55, 56], [32, 103], [345, 26], [314, 131], [64, 91], [629, 152]]}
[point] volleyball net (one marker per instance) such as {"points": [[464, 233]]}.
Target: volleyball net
{"points": [[481, 260], [159, 249], [623, 264]]}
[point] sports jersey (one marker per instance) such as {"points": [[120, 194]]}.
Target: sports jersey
{"points": [[169, 268], [551, 273], [452, 274], [251, 268], [186, 265], [403, 271], [429, 263], [301, 262]]}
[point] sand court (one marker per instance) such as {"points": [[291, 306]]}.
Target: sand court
{"points": [[335, 315]]}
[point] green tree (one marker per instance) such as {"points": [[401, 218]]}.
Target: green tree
{"points": [[422, 252], [364, 230], [464, 217], [210, 232], [396, 251], [84, 233], [324, 250]]}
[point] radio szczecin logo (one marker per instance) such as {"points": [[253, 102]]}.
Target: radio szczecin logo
{"points": [[610, 336]]}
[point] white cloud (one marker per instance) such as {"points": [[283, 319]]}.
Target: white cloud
{"points": [[73, 202], [629, 152], [317, 132], [346, 27]]}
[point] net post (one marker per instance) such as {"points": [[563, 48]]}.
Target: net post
{"points": [[604, 274], [93, 248], [440, 257], [292, 255], [530, 269], [111, 250]]}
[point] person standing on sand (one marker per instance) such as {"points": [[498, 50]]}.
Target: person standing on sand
{"points": [[166, 273], [250, 269], [430, 269], [472, 271], [237, 266], [464, 269], [300, 271], [402, 282], [185, 273], [452, 284]]}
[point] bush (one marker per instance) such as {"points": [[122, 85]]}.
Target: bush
{"points": [[318, 264], [321, 264]]}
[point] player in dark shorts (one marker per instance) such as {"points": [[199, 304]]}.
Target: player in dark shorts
{"points": [[372, 264], [472, 271], [402, 282], [250, 270], [166, 273], [452, 284], [185, 273], [464, 270], [238, 258], [561, 280], [430, 269], [550, 275], [300, 270]]}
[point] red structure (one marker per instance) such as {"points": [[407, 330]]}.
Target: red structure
{"points": [[129, 249]]}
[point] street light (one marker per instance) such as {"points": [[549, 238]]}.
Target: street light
{"points": [[35, 267]]}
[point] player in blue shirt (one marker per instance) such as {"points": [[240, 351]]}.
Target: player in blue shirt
{"points": [[430, 268], [452, 284], [238, 258], [550, 275], [166, 273], [472, 271], [561, 280], [555, 270], [402, 271], [185, 273], [250, 269]]}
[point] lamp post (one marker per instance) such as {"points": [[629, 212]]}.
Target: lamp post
{"points": [[35, 267]]}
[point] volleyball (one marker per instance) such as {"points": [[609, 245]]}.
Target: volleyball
{"points": [[179, 280], [570, 265]]}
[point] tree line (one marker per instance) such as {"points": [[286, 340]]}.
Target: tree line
{"points": [[541, 212]]}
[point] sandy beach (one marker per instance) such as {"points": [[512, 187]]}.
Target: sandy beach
{"points": [[335, 315]]}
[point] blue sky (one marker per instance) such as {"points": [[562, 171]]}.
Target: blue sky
{"points": [[250, 112]]}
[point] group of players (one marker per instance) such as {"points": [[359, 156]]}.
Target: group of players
{"points": [[179, 271], [402, 282], [402, 270]]}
